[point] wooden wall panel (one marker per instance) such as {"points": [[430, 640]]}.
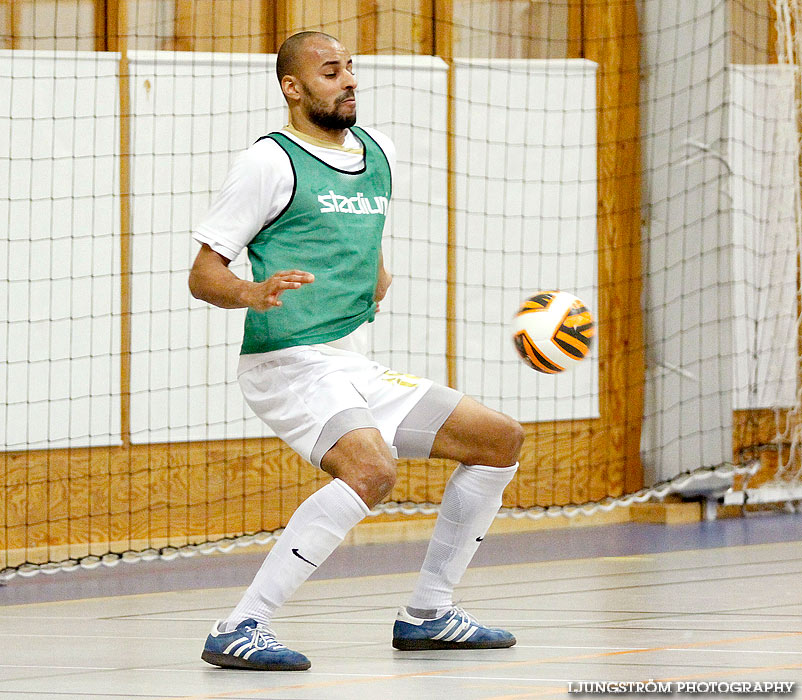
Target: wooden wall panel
{"points": [[47, 25], [754, 429], [550, 29], [340, 19], [9, 23], [404, 26], [751, 31], [234, 26], [101, 27], [574, 31], [512, 28], [367, 26], [188, 491]]}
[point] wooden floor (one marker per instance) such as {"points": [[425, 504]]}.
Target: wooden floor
{"points": [[724, 614]]}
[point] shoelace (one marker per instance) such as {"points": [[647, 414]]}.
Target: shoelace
{"points": [[264, 638], [463, 615]]}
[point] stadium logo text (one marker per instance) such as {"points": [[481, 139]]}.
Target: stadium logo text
{"points": [[352, 205]]}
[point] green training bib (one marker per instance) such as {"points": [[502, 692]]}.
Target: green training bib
{"points": [[332, 227]]}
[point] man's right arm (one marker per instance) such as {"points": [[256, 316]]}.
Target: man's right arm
{"points": [[212, 281]]}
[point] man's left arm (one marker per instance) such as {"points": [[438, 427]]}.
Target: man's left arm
{"points": [[385, 279]]}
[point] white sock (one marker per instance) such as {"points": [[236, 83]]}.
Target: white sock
{"points": [[470, 502], [312, 534]]}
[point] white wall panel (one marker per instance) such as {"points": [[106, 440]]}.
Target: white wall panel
{"points": [[687, 252], [526, 200], [59, 226], [405, 97], [763, 157], [193, 113]]}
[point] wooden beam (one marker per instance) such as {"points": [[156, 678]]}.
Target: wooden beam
{"points": [[443, 46], [101, 28], [771, 39], [443, 21], [422, 29], [276, 10], [14, 23], [368, 27], [184, 34], [287, 22], [121, 16], [773, 36], [110, 24], [575, 21], [611, 39]]}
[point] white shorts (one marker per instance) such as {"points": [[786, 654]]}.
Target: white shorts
{"points": [[311, 397]]}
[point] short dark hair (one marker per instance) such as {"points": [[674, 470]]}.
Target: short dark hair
{"points": [[289, 50]]}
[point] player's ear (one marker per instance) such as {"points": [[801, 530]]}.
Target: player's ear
{"points": [[291, 87]]}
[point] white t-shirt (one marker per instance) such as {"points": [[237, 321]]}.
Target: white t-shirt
{"points": [[259, 186], [256, 190]]}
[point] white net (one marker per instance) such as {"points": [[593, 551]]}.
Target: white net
{"points": [[772, 272], [641, 154]]}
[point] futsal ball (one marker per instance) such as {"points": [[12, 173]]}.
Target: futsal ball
{"points": [[553, 331]]}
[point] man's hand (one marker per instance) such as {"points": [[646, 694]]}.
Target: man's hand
{"points": [[212, 281], [262, 296]]}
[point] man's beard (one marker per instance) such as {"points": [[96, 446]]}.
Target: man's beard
{"points": [[329, 118]]}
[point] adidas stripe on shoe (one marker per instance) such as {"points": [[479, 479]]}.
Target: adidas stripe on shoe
{"points": [[456, 629], [251, 646]]}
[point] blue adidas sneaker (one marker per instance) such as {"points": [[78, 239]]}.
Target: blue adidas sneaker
{"points": [[252, 646], [454, 630]]}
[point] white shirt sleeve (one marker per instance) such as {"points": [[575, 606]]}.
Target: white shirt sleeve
{"points": [[256, 190]]}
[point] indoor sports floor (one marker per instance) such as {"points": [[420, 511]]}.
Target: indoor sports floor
{"points": [[717, 601]]}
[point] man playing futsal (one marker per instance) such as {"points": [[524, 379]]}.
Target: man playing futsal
{"points": [[309, 203]]}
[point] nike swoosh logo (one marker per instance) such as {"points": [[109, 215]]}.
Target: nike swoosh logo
{"points": [[297, 554], [479, 539]]}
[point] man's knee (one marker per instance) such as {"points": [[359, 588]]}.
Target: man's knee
{"points": [[363, 461], [475, 434], [373, 479], [515, 438], [502, 443]]}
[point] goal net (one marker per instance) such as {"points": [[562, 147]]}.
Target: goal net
{"points": [[642, 155], [773, 274]]}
